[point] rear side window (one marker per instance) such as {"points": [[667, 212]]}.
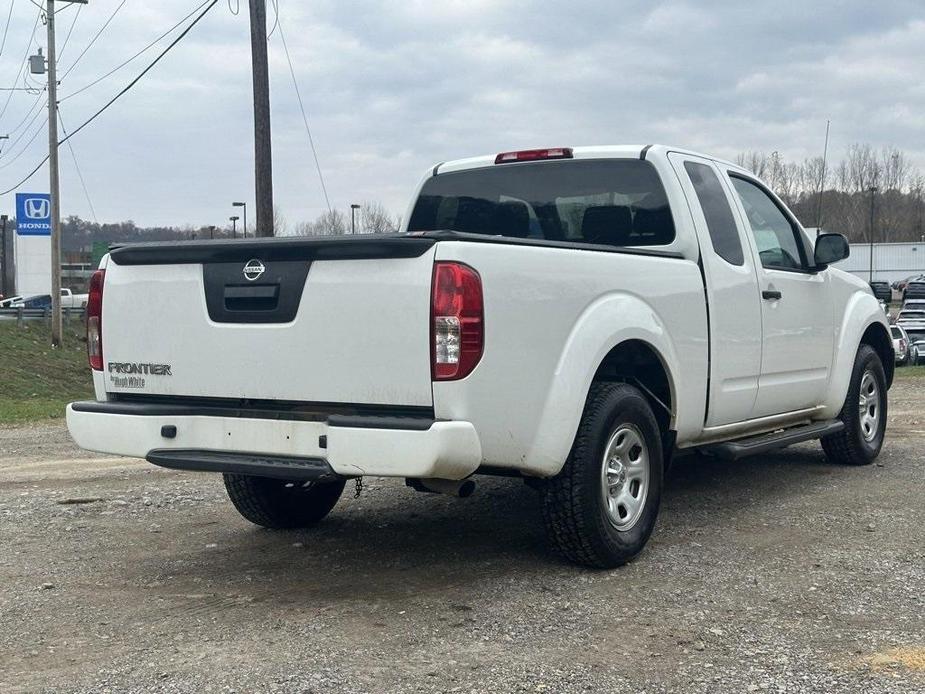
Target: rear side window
{"points": [[617, 202], [720, 222], [775, 236]]}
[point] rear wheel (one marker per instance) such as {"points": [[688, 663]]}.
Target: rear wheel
{"points": [[601, 508], [274, 503], [864, 413]]}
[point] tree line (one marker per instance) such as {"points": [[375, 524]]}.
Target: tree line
{"points": [[836, 196]]}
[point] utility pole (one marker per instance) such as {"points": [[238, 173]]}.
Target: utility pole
{"points": [[353, 218], [6, 258], [873, 191], [54, 188], [234, 226], [263, 156]]}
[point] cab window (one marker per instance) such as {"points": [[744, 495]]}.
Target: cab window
{"points": [[774, 234]]}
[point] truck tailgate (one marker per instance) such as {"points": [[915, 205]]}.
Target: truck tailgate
{"points": [[325, 321]]}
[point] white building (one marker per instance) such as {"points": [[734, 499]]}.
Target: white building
{"points": [[892, 261]]}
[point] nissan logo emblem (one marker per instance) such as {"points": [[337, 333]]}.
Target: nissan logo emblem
{"points": [[253, 269]]}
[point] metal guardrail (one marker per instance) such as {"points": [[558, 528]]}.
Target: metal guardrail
{"points": [[20, 314]]}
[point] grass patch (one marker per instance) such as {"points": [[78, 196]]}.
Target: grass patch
{"points": [[910, 372], [36, 381]]}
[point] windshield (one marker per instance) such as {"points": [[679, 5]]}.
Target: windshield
{"points": [[618, 202], [897, 333]]}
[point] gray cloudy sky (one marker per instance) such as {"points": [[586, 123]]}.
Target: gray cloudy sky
{"points": [[392, 87]]}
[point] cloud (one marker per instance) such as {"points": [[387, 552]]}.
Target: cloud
{"points": [[391, 88]]}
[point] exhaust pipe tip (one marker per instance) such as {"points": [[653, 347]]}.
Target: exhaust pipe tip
{"points": [[458, 488]]}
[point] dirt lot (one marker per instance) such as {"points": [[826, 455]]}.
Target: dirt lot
{"points": [[780, 573]]}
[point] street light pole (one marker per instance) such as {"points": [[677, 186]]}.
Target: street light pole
{"points": [[244, 205], [234, 226], [353, 218], [873, 191]]}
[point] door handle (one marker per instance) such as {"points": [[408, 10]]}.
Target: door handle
{"points": [[771, 295]]}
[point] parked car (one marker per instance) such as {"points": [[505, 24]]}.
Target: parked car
{"points": [[882, 291], [900, 285], [912, 321], [11, 302], [917, 350], [901, 345], [911, 316], [570, 316], [42, 301], [914, 290]]}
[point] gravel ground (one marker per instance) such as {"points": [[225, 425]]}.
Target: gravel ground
{"points": [[776, 574]]}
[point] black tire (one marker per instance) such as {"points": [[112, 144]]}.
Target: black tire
{"points": [[274, 503], [576, 515], [851, 446]]}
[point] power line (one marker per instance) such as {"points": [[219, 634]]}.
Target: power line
{"points": [[22, 64], [275, 20], [28, 113], [69, 31], [93, 40], [125, 90], [7, 27], [27, 145], [28, 125], [298, 94], [83, 183], [139, 53]]}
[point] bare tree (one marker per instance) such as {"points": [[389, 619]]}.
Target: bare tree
{"points": [[843, 195], [375, 219], [279, 222]]}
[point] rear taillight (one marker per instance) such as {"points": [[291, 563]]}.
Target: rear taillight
{"points": [[95, 320], [534, 155], [457, 326], [902, 345]]}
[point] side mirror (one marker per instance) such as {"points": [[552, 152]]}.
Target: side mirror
{"points": [[830, 248]]}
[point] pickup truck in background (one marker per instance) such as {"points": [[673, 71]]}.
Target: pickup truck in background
{"points": [[570, 316], [71, 300]]}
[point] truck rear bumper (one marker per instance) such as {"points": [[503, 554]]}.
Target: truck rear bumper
{"points": [[350, 446]]}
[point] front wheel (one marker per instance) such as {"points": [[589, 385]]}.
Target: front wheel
{"points": [[601, 508], [864, 413], [274, 503]]}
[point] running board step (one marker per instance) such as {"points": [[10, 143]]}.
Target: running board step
{"points": [[277, 466], [755, 445]]}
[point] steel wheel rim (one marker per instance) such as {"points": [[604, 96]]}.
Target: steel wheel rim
{"points": [[625, 477], [869, 406]]}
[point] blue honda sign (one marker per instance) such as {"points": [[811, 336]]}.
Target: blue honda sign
{"points": [[33, 214]]}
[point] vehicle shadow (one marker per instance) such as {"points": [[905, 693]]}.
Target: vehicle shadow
{"points": [[397, 542]]}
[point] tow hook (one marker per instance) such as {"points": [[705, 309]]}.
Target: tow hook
{"points": [[458, 488]]}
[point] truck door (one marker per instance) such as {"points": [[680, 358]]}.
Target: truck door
{"points": [[796, 304], [730, 278]]}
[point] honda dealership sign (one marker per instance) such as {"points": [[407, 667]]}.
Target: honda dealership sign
{"points": [[33, 214], [33, 243]]}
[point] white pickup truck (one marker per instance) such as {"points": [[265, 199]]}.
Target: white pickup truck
{"points": [[571, 316], [71, 300]]}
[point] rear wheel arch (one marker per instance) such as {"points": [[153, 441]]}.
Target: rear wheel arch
{"points": [[639, 363]]}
